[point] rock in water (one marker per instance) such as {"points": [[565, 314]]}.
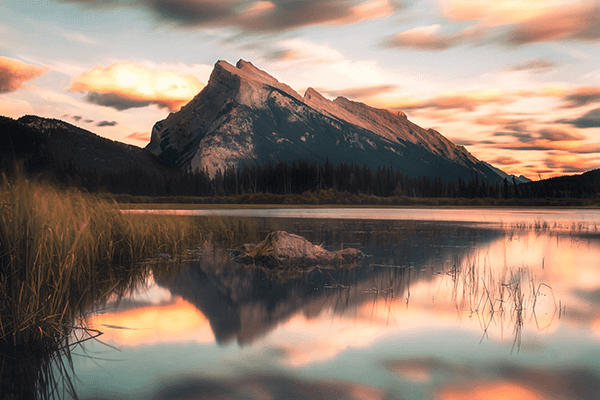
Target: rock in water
{"points": [[282, 249]]}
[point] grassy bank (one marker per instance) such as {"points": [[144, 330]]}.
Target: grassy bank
{"points": [[62, 251], [59, 246]]}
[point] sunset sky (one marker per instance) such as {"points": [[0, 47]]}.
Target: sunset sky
{"points": [[516, 82]]}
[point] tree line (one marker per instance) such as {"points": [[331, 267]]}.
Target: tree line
{"points": [[281, 179]]}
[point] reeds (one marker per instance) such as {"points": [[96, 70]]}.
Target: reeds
{"points": [[503, 298], [59, 248]]}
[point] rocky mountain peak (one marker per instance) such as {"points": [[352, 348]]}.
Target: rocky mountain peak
{"points": [[245, 116], [252, 77]]}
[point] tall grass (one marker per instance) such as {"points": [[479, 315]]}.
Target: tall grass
{"points": [[61, 250], [56, 248]]}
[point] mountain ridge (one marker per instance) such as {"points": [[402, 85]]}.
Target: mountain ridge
{"points": [[245, 116]]}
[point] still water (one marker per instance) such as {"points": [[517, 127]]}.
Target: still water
{"points": [[449, 304]]}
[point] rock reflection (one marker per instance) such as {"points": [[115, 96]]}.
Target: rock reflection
{"points": [[245, 303]]}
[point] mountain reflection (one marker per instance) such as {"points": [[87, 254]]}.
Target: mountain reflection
{"points": [[437, 311], [242, 303]]}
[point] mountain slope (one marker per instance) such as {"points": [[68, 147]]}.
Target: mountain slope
{"points": [[518, 179], [245, 116], [60, 148]]}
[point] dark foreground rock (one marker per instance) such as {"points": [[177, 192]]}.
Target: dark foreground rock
{"points": [[282, 249]]}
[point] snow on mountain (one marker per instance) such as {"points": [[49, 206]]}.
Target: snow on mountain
{"points": [[519, 179], [244, 116]]}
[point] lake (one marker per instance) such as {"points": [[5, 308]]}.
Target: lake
{"points": [[449, 304]]}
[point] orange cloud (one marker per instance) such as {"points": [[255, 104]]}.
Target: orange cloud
{"points": [[573, 21], [532, 20], [154, 324], [14, 73], [429, 38], [500, 12], [505, 160], [358, 93], [571, 163], [141, 136], [127, 85], [489, 391], [369, 10], [467, 101]]}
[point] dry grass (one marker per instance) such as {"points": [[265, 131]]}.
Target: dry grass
{"points": [[505, 298], [60, 248]]}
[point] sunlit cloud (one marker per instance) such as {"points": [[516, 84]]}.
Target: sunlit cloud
{"points": [[127, 85], [536, 66], [301, 51], [504, 12], [260, 16], [571, 163], [140, 136], [358, 93], [466, 101], [172, 322], [527, 21], [505, 160], [488, 390], [14, 74], [430, 38], [573, 21]]}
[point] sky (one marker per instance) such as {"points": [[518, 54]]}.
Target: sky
{"points": [[517, 82]]}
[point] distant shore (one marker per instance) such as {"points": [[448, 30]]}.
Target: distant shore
{"points": [[166, 203]]}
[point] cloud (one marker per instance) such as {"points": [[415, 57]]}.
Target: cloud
{"points": [[513, 23], [505, 160], [299, 50], [260, 16], [557, 135], [128, 85], [548, 138], [119, 102], [267, 386], [570, 163], [429, 38], [76, 118], [141, 136], [574, 21], [591, 119], [80, 38], [107, 123], [362, 92], [14, 73], [536, 66], [501, 12], [466, 101], [582, 96]]}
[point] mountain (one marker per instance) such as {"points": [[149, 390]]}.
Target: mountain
{"points": [[242, 303], [518, 179], [64, 150], [244, 116]]}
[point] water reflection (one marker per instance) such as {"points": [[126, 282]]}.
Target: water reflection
{"points": [[439, 310]]}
